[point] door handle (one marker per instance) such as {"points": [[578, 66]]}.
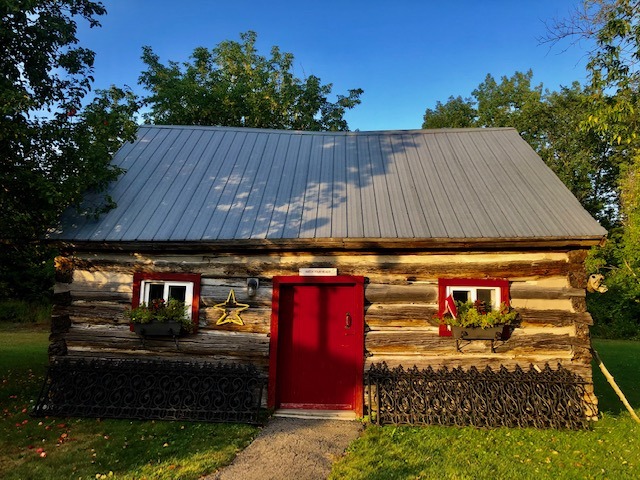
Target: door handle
{"points": [[347, 321]]}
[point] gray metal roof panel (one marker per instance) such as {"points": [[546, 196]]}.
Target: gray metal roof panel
{"points": [[222, 183]]}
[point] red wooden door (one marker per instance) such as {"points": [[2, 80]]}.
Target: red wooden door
{"points": [[320, 343]]}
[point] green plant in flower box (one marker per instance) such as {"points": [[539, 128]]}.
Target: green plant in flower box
{"points": [[160, 311], [479, 315]]}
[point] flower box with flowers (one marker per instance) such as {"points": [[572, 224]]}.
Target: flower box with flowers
{"points": [[160, 318], [477, 321]]}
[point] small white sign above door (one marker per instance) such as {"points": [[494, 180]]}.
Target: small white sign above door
{"points": [[318, 272]]}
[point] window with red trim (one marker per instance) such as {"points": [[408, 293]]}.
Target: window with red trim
{"points": [[181, 286], [493, 292]]}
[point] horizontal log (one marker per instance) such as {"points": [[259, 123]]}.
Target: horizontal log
{"points": [[524, 291], [426, 266], [426, 340], [211, 295], [375, 271], [541, 342], [89, 278], [257, 320], [315, 245], [401, 315], [414, 292], [81, 286], [97, 312], [407, 341], [542, 304], [216, 290], [103, 296], [244, 345], [556, 318], [297, 259], [261, 363]]}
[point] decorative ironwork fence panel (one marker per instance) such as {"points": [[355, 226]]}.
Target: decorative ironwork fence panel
{"points": [[543, 399], [144, 389]]}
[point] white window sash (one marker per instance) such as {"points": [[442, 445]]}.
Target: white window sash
{"points": [[188, 297], [474, 293]]}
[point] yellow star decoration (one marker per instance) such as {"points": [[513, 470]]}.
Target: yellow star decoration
{"points": [[231, 310]]}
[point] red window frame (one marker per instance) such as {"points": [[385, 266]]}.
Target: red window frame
{"points": [[443, 283], [170, 277]]}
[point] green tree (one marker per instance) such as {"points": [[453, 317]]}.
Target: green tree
{"points": [[614, 113], [455, 113], [52, 149], [233, 85], [511, 103], [612, 28], [583, 159]]}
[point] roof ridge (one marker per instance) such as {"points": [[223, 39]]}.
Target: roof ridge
{"points": [[326, 132]]}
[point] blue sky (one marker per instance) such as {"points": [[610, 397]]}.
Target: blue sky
{"points": [[406, 55]]}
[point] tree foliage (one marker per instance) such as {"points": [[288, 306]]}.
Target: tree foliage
{"points": [[455, 113], [614, 112], [233, 85], [52, 149], [612, 28]]}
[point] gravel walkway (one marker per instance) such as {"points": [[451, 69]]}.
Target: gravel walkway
{"points": [[290, 448]]}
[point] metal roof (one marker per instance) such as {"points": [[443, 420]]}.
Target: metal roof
{"points": [[191, 183]]}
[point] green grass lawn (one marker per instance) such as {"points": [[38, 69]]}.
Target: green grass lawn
{"points": [[609, 450], [56, 448]]}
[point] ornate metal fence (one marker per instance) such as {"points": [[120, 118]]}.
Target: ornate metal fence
{"points": [[543, 399], [143, 389]]}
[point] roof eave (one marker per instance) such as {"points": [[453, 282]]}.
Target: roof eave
{"points": [[336, 244]]}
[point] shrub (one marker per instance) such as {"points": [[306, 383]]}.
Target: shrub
{"points": [[18, 311], [160, 311], [479, 315]]}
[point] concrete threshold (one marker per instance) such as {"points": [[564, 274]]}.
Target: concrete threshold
{"points": [[316, 414]]}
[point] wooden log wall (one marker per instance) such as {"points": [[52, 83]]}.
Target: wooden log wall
{"points": [[547, 288]]}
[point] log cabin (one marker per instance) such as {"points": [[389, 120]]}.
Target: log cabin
{"points": [[314, 256]]}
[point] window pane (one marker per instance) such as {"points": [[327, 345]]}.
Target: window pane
{"points": [[155, 291], [488, 296], [463, 296], [179, 292]]}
